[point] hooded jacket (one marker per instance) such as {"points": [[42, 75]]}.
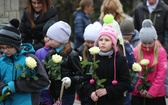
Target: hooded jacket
{"points": [[26, 93]]}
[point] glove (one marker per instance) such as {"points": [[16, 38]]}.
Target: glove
{"points": [[67, 82], [11, 85]]}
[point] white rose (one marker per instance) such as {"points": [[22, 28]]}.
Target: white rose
{"points": [[136, 67], [94, 50], [56, 58], [30, 62], [144, 62]]}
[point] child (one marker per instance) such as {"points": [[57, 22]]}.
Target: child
{"points": [[71, 71], [127, 30], [90, 35], [41, 54], [151, 49], [23, 92], [109, 68]]}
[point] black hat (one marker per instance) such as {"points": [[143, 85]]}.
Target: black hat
{"points": [[47, 25], [10, 35]]}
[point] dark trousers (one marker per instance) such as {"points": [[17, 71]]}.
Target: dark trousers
{"points": [[68, 99], [135, 100]]}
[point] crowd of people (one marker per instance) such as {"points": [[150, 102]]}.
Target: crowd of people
{"points": [[116, 60]]}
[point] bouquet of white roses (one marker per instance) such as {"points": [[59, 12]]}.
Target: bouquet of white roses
{"points": [[145, 84], [54, 64], [28, 70], [93, 65]]}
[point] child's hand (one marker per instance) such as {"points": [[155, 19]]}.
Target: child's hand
{"points": [[94, 97], [101, 92]]}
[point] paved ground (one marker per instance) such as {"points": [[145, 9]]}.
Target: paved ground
{"points": [[78, 102]]}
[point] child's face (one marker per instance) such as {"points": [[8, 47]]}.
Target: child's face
{"points": [[52, 43], [46, 40], [148, 45], [8, 50], [89, 43], [105, 43]]}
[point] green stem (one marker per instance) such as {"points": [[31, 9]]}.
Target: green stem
{"points": [[144, 101]]}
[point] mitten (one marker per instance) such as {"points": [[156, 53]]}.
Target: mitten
{"points": [[67, 82], [11, 85]]}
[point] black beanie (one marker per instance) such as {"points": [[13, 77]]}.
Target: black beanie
{"points": [[47, 26], [10, 35]]}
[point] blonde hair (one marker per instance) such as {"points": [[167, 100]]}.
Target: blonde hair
{"points": [[155, 56], [46, 5], [110, 7], [83, 4]]}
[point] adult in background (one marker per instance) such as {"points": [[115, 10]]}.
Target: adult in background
{"points": [[35, 15], [113, 7], [81, 20], [157, 12]]}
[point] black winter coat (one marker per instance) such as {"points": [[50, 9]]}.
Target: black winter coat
{"points": [[71, 68], [159, 17], [35, 35], [105, 70]]}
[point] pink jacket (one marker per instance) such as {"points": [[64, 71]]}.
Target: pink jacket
{"points": [[156, 77]]}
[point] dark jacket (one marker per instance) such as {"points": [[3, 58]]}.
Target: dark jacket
{"points": [[105, 70], [26, 93], [81, 20], [71, 68], [35, 35], [159, 17]]}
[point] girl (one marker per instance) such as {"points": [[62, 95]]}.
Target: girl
{"points": [[59, 34], [109, 68], [151, 49]]}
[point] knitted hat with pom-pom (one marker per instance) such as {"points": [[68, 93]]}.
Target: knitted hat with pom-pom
{"points": [[147, 33], [109, 31], [10, 35]]}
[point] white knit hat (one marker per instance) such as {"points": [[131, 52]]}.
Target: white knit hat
{"points": [[91, 31], [60, 32]]}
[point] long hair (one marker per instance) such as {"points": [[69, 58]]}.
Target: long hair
{"points": [[83, 4], [156, 52], [46, 4], [67, 48], [110, 7], [86, 53]]}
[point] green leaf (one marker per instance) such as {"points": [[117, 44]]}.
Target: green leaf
{"points": [[151, 69], [35, 77], [84, 63], [139, 87], [19, 66]]}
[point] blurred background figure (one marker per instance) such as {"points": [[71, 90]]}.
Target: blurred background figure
{"points": [[81, 20], [157, 12], [36, 14]]}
